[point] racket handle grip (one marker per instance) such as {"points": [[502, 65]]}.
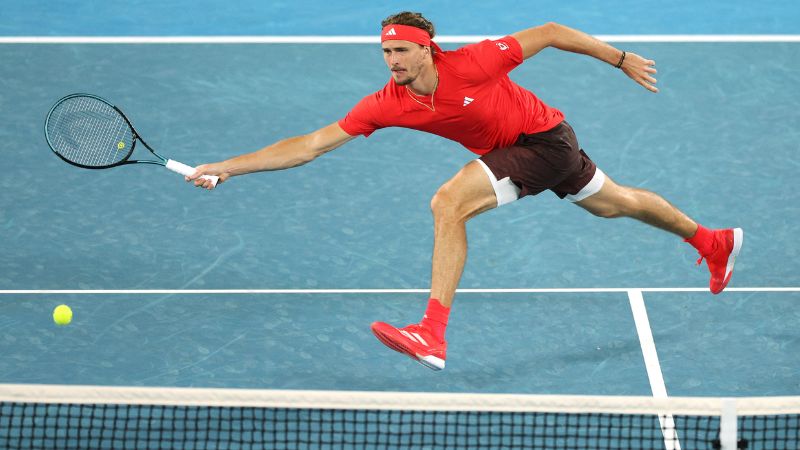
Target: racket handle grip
{"points": [[185, 170]]}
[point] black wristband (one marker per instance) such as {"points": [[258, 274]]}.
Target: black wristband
{"points": [[621, 60]]}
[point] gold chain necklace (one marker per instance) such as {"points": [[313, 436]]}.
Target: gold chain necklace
{"points": [[414, 96]]}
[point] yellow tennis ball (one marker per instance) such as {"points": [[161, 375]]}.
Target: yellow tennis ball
{"points": [[62, 315], [120, 145]]}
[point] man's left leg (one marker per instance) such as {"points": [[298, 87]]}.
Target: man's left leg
{"points": [[613, 200], [718, 247], [469, 193]]}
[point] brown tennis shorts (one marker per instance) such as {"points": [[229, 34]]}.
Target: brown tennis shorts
{"points": [[548, 160]]}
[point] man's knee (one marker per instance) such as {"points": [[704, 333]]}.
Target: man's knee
{"points": [[609, 211], [444, 203], [466, 195], [622, 204]]}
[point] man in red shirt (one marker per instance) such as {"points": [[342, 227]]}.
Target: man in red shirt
{"points": [[525, 147]]}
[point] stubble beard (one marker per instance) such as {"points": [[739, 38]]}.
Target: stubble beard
{"points": [[405, 82]]}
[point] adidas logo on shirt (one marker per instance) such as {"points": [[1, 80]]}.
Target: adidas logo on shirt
{"points": [[467, 101], [391, 32]]}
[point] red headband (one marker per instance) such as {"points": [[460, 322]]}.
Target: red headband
{"points": [[408, 33]]}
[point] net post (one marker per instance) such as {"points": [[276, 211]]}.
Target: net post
{"points": [[728, 424]]}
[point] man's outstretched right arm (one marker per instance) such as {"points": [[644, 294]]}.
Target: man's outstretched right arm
{"points": [[291, 152]]}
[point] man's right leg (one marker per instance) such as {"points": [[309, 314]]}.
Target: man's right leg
{"points": [[466, 195], [469, 193]]}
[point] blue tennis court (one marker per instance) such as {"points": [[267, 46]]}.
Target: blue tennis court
{"points": [[272, 280]]}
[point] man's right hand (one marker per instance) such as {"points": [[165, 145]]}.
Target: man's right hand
{"points": [[208, 169]]}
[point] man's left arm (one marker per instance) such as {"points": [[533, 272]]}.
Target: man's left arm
{"points": [[533, 40]]}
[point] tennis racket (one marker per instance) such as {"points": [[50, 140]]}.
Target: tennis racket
{"points": [[89, 132]]}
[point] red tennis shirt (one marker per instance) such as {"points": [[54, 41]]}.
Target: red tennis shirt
{"points": [[476, 103]]}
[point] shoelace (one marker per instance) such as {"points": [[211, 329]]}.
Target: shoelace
{"points": [[714, 246]]}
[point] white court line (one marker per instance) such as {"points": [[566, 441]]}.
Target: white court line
{"points": [[687, 38], [652, 365], [377, 291]]}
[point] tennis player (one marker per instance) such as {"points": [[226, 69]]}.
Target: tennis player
{"points": [[524, 147]]}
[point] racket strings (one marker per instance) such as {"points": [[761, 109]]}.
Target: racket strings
{"points": [[89, 132]]}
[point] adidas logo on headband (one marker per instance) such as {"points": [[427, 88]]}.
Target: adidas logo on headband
{"points": [[391, 32]]}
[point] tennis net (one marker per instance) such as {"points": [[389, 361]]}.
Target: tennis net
{"points": [[94, 417]]}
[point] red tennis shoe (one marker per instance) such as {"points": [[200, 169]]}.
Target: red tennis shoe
{"points": [[727, 244], [414, 341]]}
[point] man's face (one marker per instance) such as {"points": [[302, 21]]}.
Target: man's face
{"points": [[405, 59]]}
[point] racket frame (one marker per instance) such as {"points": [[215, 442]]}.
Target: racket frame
{"points": [[170, 164], [134, 137]]}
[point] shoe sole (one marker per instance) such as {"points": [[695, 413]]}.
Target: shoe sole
{"points": [[738, 241], [430, 362]]}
